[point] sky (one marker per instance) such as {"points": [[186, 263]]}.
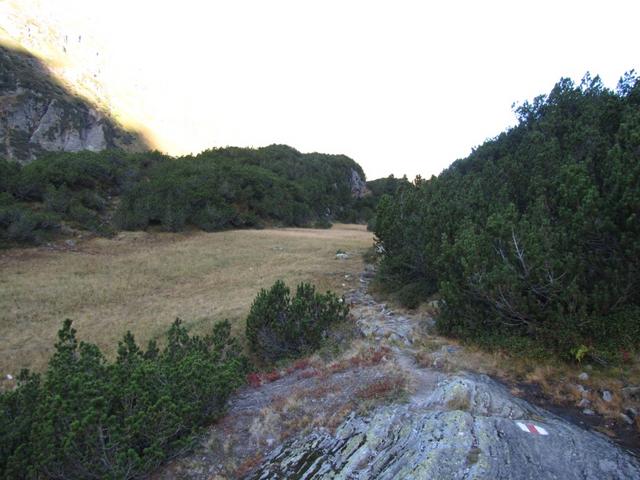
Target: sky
{"points": [[402, 87]]}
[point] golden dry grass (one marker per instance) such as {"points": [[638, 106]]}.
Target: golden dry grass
{"points": [[143, 281], [558, 381]]}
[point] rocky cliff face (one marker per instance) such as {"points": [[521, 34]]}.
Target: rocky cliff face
{"points": [[37, 114], [358, 185]]}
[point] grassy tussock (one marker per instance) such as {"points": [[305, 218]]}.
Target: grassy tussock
{"points": [[558, 381]]}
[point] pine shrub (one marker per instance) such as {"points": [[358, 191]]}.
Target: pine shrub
{"points": [[280, 326], [91, 418], [19, 224], [534, 239]]}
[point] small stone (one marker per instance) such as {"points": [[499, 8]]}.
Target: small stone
{"points": [[70, 243], [583, 391], [606, 396], [588, 411], [631, 393], [583, 376], [342, 256], [9, 376], [626, 419], [631, 412], [584, 403], [65, 230], [438, 362]]}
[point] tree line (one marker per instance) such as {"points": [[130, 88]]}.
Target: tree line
{"points": [[218, 189]]}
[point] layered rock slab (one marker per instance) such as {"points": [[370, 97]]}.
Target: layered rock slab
{"points": [[483, 441]]}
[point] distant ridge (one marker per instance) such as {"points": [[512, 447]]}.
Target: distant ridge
{"points": [[38, 114]]}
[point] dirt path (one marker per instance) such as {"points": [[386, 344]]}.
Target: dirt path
{"points": [[381, 411]]}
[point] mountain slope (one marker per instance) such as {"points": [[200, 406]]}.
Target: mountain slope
{"points": [[38, 114]]}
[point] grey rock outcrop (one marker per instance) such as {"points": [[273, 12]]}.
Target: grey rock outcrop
{"points": [[313, 423], [37, 114], [398, 442], [358, 185], [468, 427], [453, 426]]}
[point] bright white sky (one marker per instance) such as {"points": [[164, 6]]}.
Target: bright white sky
{"points": [[403, 87]]}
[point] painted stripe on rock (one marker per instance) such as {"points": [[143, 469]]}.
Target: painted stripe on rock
{"points": [[532, 428]]}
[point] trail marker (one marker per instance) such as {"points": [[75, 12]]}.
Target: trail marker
{"points": [[531, 428]]}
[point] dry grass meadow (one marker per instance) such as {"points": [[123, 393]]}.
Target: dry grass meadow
{"points": [[142, 281]]}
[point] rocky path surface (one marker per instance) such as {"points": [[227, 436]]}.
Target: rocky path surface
{"points": [[375, 413]]}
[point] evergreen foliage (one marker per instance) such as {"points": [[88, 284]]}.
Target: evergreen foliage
{"points": [[91, 418], [280, 326], [76, 188], [218, 189], [378, 188], [534, 239]]}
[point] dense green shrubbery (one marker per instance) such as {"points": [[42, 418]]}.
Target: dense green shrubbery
{"points": [[73, 187], [240, 187], [322, 181], [536, 235], [20, 224], [212, 195], [215, 190], [378, 188], [90, 418], [280, 326]]}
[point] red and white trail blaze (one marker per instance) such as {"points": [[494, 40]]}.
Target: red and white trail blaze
{"points": [[531, 428]]}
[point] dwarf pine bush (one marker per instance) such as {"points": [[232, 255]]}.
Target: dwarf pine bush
{"points": [[280, 326], [91, 418], [534, 238]]}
